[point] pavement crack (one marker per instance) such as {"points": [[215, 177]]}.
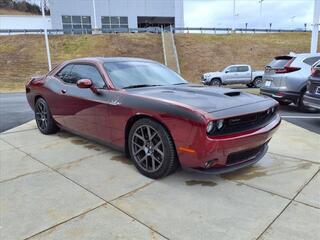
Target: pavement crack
{"points": [[67, 220], [129, 194], [104, 200], [292, 200], [295, 158], [23, 175]]}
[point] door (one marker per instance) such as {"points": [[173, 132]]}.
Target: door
{"points": [[231, 74], [84, 109], [244, 74]]}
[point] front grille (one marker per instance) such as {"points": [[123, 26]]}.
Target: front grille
{"points": [[245, 122], [246, 155]]}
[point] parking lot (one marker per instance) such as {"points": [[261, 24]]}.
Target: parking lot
{"points": [[65, 187]]}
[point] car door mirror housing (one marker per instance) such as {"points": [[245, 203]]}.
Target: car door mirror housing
{"points": [[226, 71], [84, 83]]}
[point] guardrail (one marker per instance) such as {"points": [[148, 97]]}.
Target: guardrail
{"points": [[237, 30], [79, 31], [149, 29]]}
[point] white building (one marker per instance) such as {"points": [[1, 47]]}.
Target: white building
{"points": [[110, 14], [23, 22]]}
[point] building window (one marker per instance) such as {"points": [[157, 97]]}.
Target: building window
{"points": [[76, 24], [108, 23]]}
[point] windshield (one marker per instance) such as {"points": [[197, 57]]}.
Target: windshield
{"points": [[141, 74], [279, 62]]}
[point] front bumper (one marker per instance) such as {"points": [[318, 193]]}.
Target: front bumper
{"points": [[285, 96], [232, 152], [243, 164], [312, 100]]}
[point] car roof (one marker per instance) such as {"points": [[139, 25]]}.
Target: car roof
{"points": [[110, 59], [302, 55]]}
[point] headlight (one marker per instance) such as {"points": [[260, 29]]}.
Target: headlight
{"points": [[215, 126], [220, 124], [210, 127]]}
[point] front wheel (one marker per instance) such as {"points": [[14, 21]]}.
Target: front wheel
{"points": [[216, 82], [152, 149], [43, 117]]}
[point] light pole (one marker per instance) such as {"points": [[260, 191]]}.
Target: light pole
{"points": [[46, 35], [260, 1], [261, 20], [315, 27], [94, 14], [234, 16]]}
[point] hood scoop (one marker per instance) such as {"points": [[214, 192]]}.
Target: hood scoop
{"points": [[232, 94]]}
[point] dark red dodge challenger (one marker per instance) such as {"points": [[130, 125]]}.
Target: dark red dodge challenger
{"points": [[148, 111]]}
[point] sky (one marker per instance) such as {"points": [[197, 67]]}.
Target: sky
{"points": [[218, 13]]}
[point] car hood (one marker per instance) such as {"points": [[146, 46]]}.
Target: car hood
{"points": [[208, 99]]}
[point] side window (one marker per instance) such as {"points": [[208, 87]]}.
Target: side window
{"points": [[243, 69], [65, 73], [232, 69], [84, 71], [310, 61]]}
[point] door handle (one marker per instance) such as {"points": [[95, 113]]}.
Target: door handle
{"points": [[64, 91]]}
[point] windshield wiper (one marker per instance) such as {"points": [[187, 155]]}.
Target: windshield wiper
{"points": [[141, 85]]}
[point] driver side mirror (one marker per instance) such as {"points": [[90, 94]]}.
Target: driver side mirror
{"points": [[84, 83], [226, 71]]}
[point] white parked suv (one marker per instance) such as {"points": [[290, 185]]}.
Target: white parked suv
{"points": [[234, 74]]}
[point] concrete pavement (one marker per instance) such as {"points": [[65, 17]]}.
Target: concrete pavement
{"points": [[65, 187]]}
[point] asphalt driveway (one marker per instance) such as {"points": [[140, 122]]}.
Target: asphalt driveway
{"points": [[14, 110]]}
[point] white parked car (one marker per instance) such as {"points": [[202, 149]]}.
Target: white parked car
{"points": [[234, 74]]}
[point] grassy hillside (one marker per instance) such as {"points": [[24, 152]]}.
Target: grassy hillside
{"points": [[25, 56], [8, 11], [199, 53]]}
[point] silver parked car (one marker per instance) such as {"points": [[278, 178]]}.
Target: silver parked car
{"points": [[234, 74], [285, 78]]}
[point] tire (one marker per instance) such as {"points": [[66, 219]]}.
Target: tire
{"points": [[304, 108], [44, 120], [155, 158], [283, 103], [257, 82], [215, 82]]}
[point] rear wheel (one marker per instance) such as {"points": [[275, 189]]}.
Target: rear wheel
{"points": [[215, 82], [152, 149], [257, 82], [43, 117]]}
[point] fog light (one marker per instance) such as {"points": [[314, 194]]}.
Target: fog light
{"points": [[210, 163]]}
